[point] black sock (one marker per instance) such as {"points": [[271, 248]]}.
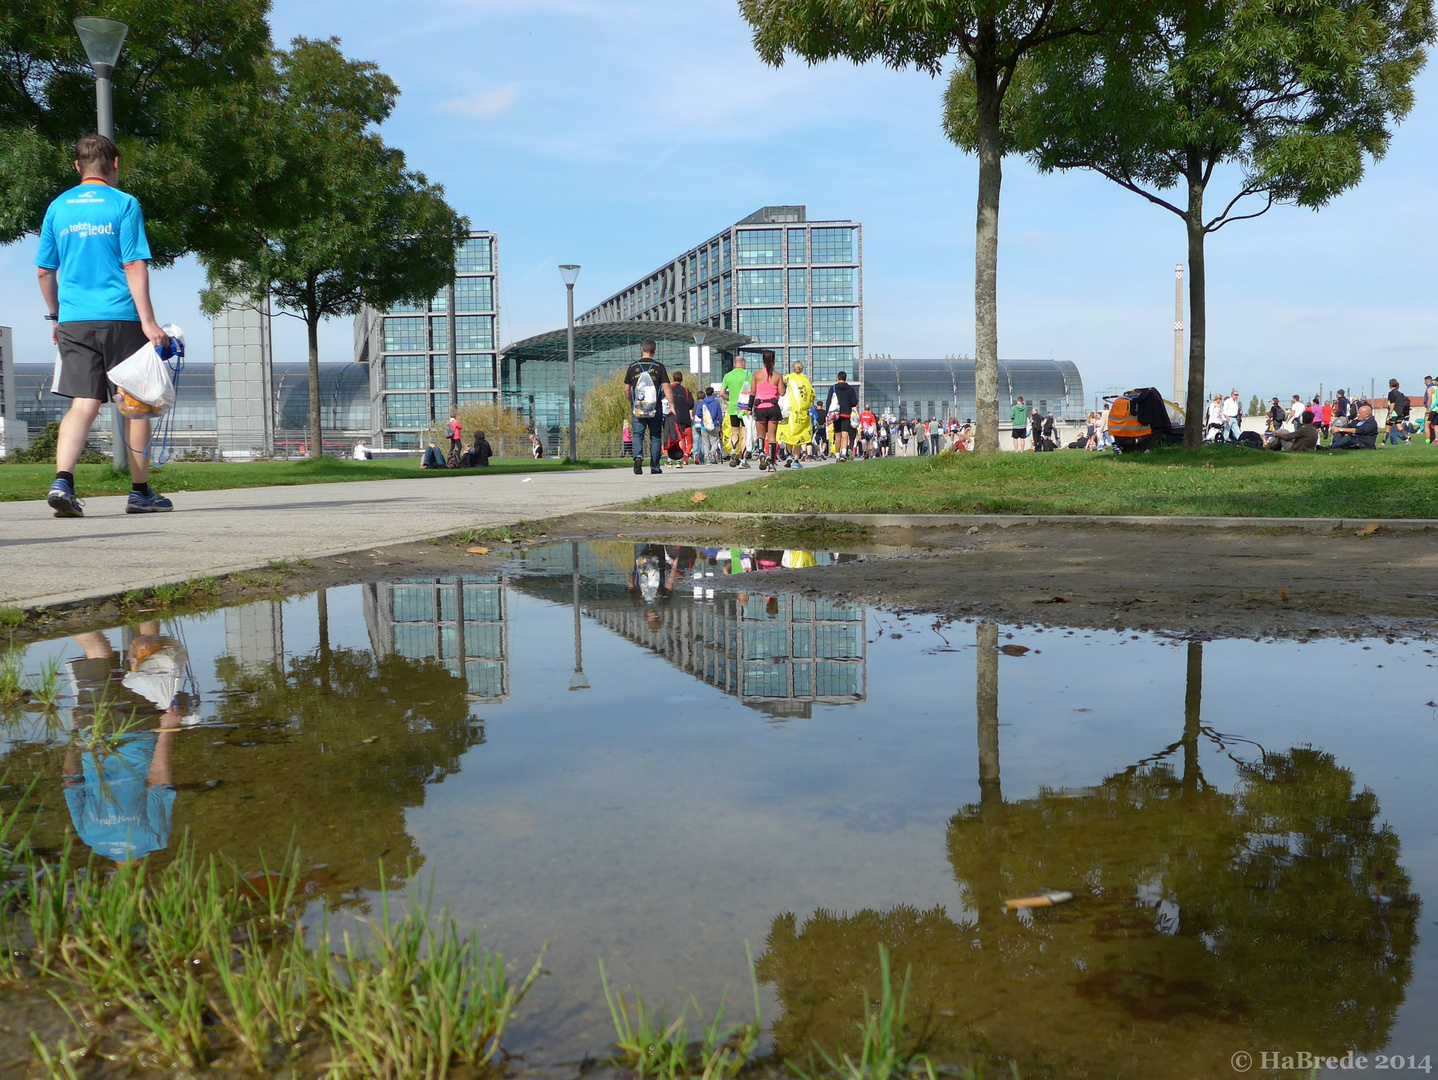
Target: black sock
{"points": [[140, 489], [68, 477]]}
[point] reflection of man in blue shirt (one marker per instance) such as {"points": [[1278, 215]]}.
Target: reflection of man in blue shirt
{"points": [[119, 795]]}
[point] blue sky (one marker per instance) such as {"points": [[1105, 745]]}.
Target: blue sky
{"points": [[616, 133]]}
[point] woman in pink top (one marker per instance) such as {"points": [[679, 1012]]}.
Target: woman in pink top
{"points": [[768, 389]]}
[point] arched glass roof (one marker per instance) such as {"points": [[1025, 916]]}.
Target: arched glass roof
{"points": [[944, 388]]}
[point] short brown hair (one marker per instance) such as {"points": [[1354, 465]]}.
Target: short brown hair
{"points": [[647, 346], [95, 153]]}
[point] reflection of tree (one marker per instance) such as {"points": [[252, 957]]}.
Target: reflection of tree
{"points": [[1202, 917]]}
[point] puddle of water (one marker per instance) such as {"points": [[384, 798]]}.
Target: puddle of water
{"points": [[625, 751]]}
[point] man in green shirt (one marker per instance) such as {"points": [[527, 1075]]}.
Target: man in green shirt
{"points": [[730, 388], [1019, 425]]}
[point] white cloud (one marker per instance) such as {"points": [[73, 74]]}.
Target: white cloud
{"points": [[482, 102]]}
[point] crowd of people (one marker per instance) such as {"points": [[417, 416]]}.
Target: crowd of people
{"points": [[1342, 422]]}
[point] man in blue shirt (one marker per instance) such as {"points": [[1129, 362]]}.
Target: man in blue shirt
{"points": [[94, 274]]}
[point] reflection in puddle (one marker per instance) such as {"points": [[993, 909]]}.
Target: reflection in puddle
{"points": [[1237, 873]]}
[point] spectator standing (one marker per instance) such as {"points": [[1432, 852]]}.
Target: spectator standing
{"points": [[1430, 407], [1019, 424], [456, 438], [93, 268], [1232, 417], [1341, 409], [646, 381], [1276, 416], [1398, 404], [627, 434]]}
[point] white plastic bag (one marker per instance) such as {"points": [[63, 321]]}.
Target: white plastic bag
{"points": [[145, 384], [55, 380]]}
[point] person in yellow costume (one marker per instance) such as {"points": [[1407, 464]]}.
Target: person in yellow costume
{"points": [[795, 431]]}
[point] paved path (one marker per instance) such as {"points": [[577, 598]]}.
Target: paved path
{"points": [[45, 560]]}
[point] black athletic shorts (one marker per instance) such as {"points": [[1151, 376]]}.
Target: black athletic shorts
{"points": [[768, 414], [89, 349], [736, 421], [843, 425], [1021, 433]]}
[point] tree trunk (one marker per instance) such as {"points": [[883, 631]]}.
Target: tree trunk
{"points": [[986, 242], [1196, 412], [987, 705], [1192, 717], [317, 434]]}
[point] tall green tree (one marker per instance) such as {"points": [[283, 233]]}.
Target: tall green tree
{"points": [[339, 221], [1282, 101], [182, 89], [988, 39]]}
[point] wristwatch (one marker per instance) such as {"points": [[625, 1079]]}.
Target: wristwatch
{"points": [[52, 318]]}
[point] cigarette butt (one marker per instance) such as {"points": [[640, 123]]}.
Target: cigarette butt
{"points": [[1043, 899]]}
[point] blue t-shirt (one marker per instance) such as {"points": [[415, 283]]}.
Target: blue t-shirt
{"points": [[114, 807], [89, 234]]}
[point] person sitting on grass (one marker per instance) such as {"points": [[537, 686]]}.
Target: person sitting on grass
{"points": [[1360, 433], [1305, 438], [433, 459], [477, 457]]}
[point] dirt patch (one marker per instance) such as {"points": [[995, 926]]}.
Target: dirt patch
{"points": [[1266, 581]]}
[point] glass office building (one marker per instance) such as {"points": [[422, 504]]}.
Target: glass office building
{"points": [[789, 284], [407, 348], [534, 373], [924, 389]]}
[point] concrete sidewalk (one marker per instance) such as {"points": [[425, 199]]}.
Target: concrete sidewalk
{"points": [[45, 560]]}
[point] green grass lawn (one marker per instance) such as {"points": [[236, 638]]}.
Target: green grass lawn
{"points": [[33, 481], [1396, 482]]}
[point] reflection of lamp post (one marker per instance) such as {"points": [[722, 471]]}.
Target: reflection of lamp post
{"points": [[579, 681], [570, 273], [103, 39]]}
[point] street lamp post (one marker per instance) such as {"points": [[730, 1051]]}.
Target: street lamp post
{"points": [[570, 273], [579, 681], [103, 39]]}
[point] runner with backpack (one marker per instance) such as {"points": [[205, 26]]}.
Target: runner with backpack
{"points": [[645, 380]]}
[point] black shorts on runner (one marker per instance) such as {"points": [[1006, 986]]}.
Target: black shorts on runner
{"points": [[843, 425], [736, 422], [769, 414], [89, 349], [1021, 433]]}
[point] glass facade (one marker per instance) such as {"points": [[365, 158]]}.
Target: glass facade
{"points": [[785, 266], [407, 351], [945, 388]]}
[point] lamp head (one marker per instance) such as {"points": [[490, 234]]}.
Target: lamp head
{"points": [[103, 39], [570, 273], [698, 337]]}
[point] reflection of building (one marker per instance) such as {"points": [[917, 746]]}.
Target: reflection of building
{"points": [[461, 621], [805, 650], [407, 349], [925, 389], [790, 284], [783, 662], [255, 634]]}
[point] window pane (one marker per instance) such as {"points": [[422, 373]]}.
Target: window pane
{"points": [[474, 331], [833, 245], [476, 371], [762, 324], [798, 324], [797, 239], [406, 410], [798, 286], [400, 335], [398, 308], [798, 356], [834, 324], [834, 286], [437, 304], [439, 332], [439, 365], [474, 294], [758, 247], [761, 286], [726, 253], [474, 256], [404, 373], [828, 362]]}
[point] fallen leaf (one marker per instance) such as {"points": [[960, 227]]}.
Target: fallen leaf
{"points": [[370, 739], [1367, 530], [1283, 595], [1013, 650], [1055, 600], [698, 497], [476, 551]]}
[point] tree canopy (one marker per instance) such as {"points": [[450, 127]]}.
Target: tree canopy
{"points": [[339, 220], [181, 91]]}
